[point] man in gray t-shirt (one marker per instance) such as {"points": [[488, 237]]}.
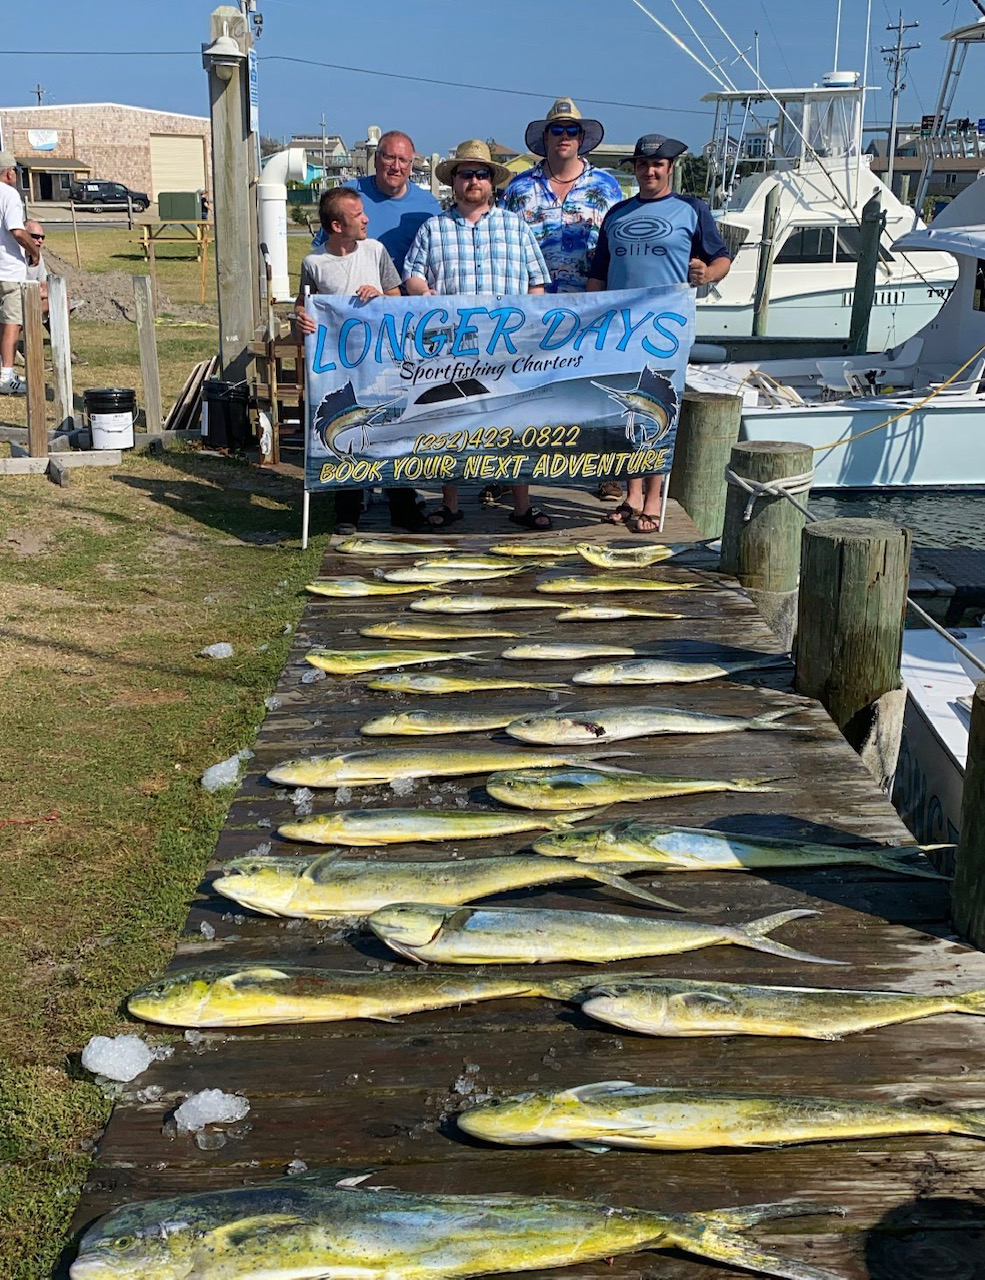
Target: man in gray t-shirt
{"points": [[352, 266]]}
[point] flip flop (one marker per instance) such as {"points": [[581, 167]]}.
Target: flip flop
{"points": [[532, 519], [491, 493], [442, 518], [621, 514], [636, 524]]}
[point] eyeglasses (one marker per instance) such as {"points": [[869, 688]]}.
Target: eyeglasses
{"points": [[468, 174], [388, 158], [34, 236], [568, 130]]}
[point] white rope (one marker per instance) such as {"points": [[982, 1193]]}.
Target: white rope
{"points": [[785, 487]]}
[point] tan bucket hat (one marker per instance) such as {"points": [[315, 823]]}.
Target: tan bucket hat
{"points": [[563, 109], [477, 151]]}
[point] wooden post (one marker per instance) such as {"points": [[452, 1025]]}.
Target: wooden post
{"points": [[708, 428], [153, 273], [61, 353], [203, 270], [763, 552], [968, 890], [764, 268], [853, 585], [870, 233], [147, 344], [37, 426], [75, 232]]}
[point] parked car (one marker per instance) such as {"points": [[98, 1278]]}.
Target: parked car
{"points": [[98, 196]]}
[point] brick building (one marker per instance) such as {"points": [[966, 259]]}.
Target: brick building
{"points": [[146, 150]]}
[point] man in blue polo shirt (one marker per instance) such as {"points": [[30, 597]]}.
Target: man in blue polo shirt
{"points": [[655, 238]]}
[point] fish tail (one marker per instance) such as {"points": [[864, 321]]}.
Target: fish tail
{"points": [[752, 784], [718, 1235], [767, 719], [615, 881], [970, 1002], [901, 861], [755, 935], [971, 1123]]}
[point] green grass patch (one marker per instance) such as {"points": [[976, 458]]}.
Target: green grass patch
{"points": [[109, 590]]}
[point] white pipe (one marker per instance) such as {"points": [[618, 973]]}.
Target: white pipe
{"points": [[286, 166]]}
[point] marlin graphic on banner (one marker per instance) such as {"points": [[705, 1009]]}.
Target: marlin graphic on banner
{"points": [[653, 400]]}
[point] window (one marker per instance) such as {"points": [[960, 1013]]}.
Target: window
{"points": [[808, 244], [950, 179], [453, 391], [848, 245]]}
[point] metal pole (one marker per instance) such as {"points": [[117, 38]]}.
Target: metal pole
{"points": [[895, 55]]}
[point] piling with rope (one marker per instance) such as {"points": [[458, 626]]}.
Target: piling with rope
{"points": [[850, 615], [708, 428], [761, 535]]}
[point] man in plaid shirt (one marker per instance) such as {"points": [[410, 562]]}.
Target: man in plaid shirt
{"points": [[474, 247]]}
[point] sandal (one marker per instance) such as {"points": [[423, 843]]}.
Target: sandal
{"points": [[532, 519], [637, 523], [491, 493], [442, 518], [621, 514]]}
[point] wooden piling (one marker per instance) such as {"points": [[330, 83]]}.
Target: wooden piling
{"points": [[870, 233], [708, 427], [853, 585], [968, 889], [61, 353], [764, 267], [147, 344], [37, 425], [763, 552]]}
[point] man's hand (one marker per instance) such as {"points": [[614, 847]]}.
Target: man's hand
{"points": [[700, 273], [367, 291], [304, 323]]}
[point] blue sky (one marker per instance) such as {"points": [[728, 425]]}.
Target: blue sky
{"points": [[601, 49]]}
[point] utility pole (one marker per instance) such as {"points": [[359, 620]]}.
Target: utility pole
{"points": [[40, 90], [324, 171], [895, 57]]}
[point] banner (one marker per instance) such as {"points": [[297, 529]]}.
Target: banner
{"points": [[563, 389]]}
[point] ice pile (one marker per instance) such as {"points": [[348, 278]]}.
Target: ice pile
{"points": [[221, 650], [296, 1167], [207, 930], [226, 772], [210, 1106], [313, 676], [302, 800], [403, 786], [343, 795], [117, 1057], [273, 703]]}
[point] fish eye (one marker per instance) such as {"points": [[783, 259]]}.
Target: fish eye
{"points": [[122, 1242]]}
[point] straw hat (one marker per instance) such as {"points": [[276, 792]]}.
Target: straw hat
{"points": [[654, 146], [563, 110], [477, 151]]}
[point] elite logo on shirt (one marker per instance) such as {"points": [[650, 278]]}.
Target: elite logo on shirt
{"points": [[638, 233]]}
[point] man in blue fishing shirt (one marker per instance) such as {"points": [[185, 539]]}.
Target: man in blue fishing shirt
{"points": [[653, 239]]}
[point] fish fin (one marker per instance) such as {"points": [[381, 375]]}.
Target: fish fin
{"points": [[713, 1236], [696, 1000], [561, 821], [971, 1002], [615, 881], [251, 975], [601, 1089], [767, 720], [755, 933], [233, 1234], [381, 1017], [901, 861], [750, 1215], [597, 1148], [971, 1123]]}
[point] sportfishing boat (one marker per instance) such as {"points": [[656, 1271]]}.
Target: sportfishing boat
{"points": [[807, 144], [907, 417]]}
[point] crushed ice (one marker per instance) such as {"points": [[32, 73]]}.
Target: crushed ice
{"points": [[210, 1106], [302, 800], [273, 703], [117, 1057], [220, 650], [343, 795], [403, 786], [314, 675], [226, 772], [207, 930], [296, 1167]]}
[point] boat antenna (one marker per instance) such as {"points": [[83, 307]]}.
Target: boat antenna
{"points": [[837, 37], [717, 65], [722, 81]]}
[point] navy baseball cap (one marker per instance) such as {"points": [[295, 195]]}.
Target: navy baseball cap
{"points": [[655, 146]]}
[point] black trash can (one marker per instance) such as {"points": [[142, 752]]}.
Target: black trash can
{"points": [[226, 415]]}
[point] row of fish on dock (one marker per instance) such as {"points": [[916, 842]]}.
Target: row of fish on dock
{"points": [[421, 910]]}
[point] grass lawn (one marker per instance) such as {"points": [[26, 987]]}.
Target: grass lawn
{"points": [[109, 590]]}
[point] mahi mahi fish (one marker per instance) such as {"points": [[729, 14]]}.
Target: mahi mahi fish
{"points": [[605, 582], [615, 724], [348, 588], [660, 847], [252, 995], [416, 723], [641, 557], [535, 935], [673, 671], [412, 629], [307, 1227], [692, 1007], [410, 683], [618, 1113], [367, 768], [344, 662], [480, 604], [575, 787], [326, 885], [448, 573], [561, 651], [610, 613], [535, 547], [470, 560], [390, 547], [433, 826]]}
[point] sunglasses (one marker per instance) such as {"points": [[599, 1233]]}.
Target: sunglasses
{"points": [[469, 174], [34, 236], [569, 130]]}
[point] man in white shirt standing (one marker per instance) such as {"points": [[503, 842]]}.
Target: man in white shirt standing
{"points": [[17, 249], [353, 266]]}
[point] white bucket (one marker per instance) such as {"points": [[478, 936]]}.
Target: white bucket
{"points": [[111, 430]]}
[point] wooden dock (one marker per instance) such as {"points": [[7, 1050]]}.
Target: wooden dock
{"points": [[361, 1096]]}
